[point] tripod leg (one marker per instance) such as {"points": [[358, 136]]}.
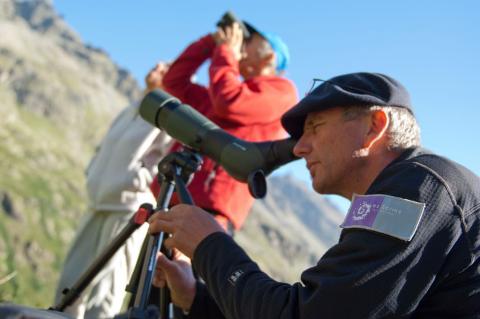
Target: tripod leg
{"points": [[70, 295], [171, 168], [161, 297], [132, 286], [165, 298]]}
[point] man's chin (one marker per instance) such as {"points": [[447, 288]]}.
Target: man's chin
{"points": [[316, 187], [246, 72]]}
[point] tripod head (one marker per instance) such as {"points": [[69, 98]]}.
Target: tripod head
{"points": [[189, 162]]}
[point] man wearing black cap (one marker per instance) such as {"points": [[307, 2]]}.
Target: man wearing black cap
{"points": [[410, 245]]}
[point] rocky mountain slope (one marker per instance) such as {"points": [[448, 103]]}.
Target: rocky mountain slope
{"points": [[57, 98]]}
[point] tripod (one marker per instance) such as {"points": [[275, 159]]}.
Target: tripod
{"points": [[174, 171]]}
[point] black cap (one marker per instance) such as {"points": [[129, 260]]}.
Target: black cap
{"points": [[353, 89]]}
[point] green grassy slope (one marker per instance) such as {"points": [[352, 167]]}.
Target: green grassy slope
{"points": [[45, 184]]}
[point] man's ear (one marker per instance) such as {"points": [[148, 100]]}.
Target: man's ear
{"points": [[269, 60], [378, 124]]}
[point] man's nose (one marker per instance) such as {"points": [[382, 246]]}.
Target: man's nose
{"points": [[302, 147]]}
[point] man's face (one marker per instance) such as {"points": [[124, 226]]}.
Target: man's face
{"points": [[327, 145], [252, 61]]}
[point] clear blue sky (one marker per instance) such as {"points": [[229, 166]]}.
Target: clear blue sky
{"points": [[432, 47]]}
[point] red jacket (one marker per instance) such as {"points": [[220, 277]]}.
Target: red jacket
{"points": [[249, 110]]}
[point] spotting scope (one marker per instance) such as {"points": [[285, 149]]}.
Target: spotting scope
{"points": [[245, 161]]}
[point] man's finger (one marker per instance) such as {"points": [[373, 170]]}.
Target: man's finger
{"points": [[158, 225], [169, 243], [164, 263], [162, 214], [160, 283], [159, 279], [230, 30], [177, 255]]}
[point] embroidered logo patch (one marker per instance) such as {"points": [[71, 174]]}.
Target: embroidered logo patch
{"points": [[386, 214], [235, 276]]}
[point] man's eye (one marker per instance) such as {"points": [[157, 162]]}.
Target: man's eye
{"points": [[316, 127]]}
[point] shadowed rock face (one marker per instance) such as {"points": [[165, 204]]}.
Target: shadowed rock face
{"points": [[9, 208], [42, 18], [50, 68]]}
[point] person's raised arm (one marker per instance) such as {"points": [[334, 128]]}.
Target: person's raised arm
{"points": [[178, 80], [261, 99]]}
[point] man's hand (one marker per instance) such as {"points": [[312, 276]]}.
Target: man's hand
{"points": [[154, 78], [187, 224], [232, 36], [178, 276]]}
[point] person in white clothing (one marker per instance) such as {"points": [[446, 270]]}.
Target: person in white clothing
{"points": [[118, 182]]}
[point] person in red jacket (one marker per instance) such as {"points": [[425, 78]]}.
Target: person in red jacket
{"points": [[249, 109]]}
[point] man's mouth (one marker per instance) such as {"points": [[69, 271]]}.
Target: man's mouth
{"points": [[310, 167]]}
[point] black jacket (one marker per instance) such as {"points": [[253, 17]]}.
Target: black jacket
{"points": [[367, 274]]}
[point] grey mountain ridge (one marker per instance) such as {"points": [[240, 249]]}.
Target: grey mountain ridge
{"points": [[58, 96]]}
